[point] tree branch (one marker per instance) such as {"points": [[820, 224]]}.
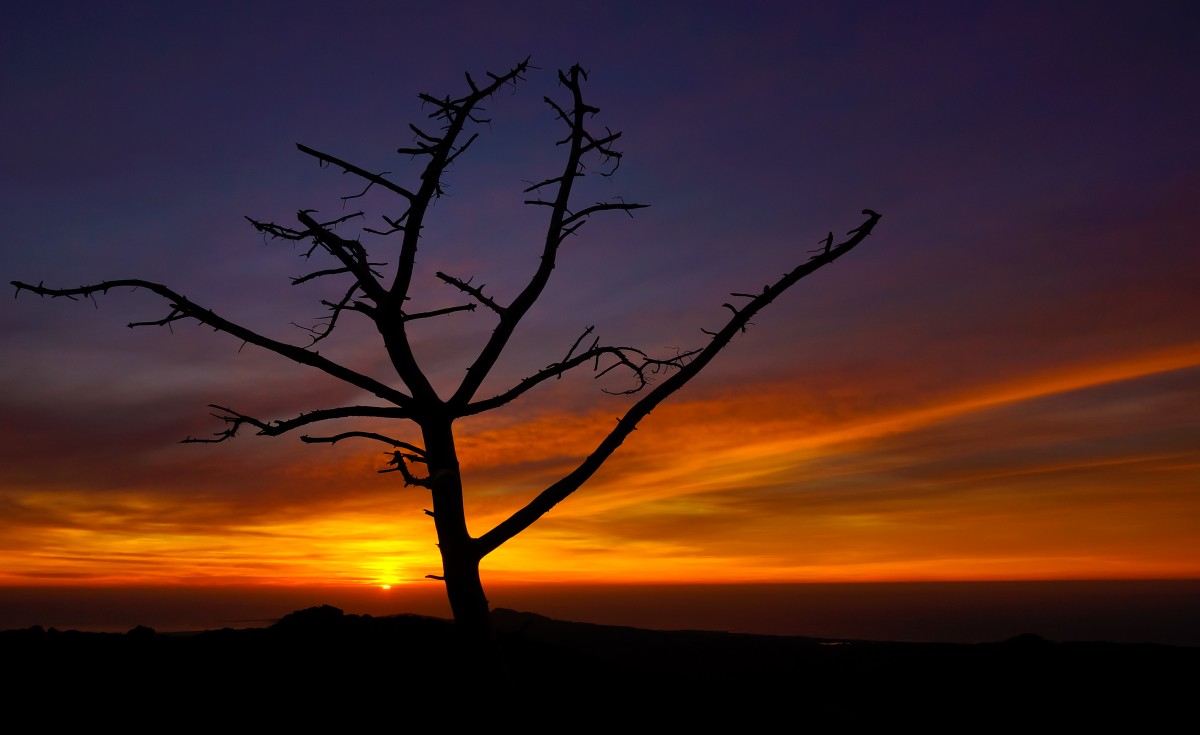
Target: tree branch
{"points": [[297, 280], [350, 252], [287, 233], [182, 308], [363, 435], [441, 151], [438, 312], [561, 223], [603, 207], [643, 368], [335, 310], [557, 492], [391, 318], [350, 168], [399, 463], [475, 291], [235, 420]]}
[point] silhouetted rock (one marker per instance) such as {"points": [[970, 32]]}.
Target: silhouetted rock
{"points": [[1027, 639], [322, 617]]}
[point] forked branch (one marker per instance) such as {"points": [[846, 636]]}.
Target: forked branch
{"points": [[235, 420], [641, 367], [183, 308], [474, 291], [350, 168], [551, 496], [363, 435], [561, 223], [441, 150], [399, 463]]}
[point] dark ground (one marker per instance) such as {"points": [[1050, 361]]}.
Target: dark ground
{"points": [[363, 672]]}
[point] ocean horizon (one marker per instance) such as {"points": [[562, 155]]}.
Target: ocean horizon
{"points": [[1122, 611]]}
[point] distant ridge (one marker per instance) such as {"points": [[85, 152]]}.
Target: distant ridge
{"points": [[331, 661]]}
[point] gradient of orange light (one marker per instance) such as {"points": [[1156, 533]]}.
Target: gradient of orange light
{"points": [[681, 468], [699, 459], [700, 454]]}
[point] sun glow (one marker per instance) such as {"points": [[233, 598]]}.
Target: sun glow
{"points": [[938, 487]]}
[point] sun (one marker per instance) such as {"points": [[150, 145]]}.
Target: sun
{"points": [[385, 586]]}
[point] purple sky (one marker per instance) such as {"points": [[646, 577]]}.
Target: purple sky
{"points": [[1029, 306]]}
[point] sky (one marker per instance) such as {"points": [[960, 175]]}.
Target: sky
{"points": [[1001, 383]]}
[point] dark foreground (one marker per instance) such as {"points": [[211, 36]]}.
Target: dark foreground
{"points": [[320, 665]]}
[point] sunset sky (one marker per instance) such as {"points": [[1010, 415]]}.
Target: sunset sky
{"points": [[1001, 383]]}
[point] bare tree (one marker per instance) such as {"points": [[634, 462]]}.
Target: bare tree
{"points": [[432, 462]]}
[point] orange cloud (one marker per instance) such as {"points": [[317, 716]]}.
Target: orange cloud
{"points": [[1016, 480]]}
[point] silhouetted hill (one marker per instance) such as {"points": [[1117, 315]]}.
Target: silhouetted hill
{"points": [[360, 669]]}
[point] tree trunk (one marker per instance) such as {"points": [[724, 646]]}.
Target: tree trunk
{"points": [[460, 553]]}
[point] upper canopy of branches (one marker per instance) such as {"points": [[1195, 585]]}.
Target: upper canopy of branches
{"points": [[363, 290]]}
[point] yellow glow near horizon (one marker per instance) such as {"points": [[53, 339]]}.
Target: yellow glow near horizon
{"points": [[715, 490]]}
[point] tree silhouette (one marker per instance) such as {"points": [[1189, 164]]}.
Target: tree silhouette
{"points": [[432, 462]]}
